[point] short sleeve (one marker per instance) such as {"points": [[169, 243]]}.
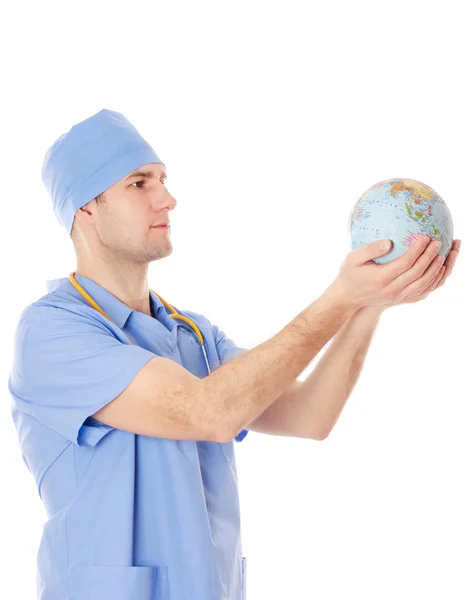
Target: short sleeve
{"points": [[227, 350], [66, 367]]}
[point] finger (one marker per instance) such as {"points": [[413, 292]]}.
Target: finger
{"points": [[448, 272], [453, 254], [420, 269], [456, 245], [451, 260], [430, 288], [449, 266], [419, 285], [370, 251], [406, 261], [440, 280], [436, 279]]}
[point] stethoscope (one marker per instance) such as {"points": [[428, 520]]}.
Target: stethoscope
{"points": [[174, 314]]}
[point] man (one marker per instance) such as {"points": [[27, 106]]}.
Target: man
{"points": [[127, 419]]}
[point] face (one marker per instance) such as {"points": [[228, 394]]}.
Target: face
{"points": [[132, 206]]}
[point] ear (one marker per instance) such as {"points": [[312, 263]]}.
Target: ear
{"points": [[84, 213]]}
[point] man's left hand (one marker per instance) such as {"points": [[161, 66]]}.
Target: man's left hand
{"points": [[415, 291]]}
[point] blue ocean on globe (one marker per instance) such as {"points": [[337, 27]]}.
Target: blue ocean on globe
{"points": [[400, 210]]}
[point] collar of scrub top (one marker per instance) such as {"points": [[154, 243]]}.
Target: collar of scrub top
{"points": [[174, 314]]}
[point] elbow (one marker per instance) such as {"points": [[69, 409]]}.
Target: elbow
{"points": [[222, 430], [320, 436], [310, 431], [218, 432], [223, 439], [226, 432], [224, 436]]}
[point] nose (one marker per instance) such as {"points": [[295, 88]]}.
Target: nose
{"points": [[164, 199]]}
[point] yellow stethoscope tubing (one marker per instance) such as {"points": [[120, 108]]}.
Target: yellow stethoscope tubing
{"points": [[173, 314]]}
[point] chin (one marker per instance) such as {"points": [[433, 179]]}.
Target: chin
{"points": [[161, 253]]}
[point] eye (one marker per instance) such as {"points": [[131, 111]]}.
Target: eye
{"points": [[142, 181]]}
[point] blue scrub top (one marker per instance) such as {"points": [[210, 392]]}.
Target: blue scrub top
{"points": [[129, 516]]}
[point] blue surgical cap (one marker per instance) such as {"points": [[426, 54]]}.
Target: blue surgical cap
{"points": [[91, 157]]}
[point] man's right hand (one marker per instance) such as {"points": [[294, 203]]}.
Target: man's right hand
{"points": [[362, 282]]}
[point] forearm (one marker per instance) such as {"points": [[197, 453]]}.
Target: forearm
{"points": [[244, 387], [323, 394]]}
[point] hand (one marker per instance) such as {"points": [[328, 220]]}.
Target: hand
{"points": [[415, 293], [361, 282]]}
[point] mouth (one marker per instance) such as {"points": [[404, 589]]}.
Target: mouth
{"points": [[162, 226]]}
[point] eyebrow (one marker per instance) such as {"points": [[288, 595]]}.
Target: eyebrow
{"points": [[145, 174]]}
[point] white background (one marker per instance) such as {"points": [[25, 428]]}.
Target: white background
{"points": [[272, 118]]}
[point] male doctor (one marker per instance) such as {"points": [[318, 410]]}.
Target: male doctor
{"points": [[127, 408]]}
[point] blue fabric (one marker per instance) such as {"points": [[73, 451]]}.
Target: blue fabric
{"points": [[91, 157], [129, 516]]}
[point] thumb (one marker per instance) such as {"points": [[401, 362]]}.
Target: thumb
{"points": [[373, 250]]}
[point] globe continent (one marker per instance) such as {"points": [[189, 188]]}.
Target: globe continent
{"points": [[400, 210]]}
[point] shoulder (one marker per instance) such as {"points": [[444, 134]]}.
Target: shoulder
{"points": [[54, 317]]}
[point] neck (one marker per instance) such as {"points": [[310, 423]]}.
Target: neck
{"points": [[128, 282]]}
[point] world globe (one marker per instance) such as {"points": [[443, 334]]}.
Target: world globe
{"points": [[400, 210]]}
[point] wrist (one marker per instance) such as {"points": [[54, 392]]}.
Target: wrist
{"points": [[372, 310], [337, 298]]}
